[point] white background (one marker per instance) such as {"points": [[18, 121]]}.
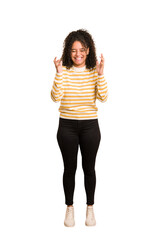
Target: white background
{"points": [[128, 171]]}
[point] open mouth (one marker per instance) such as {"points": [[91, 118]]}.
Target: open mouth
{"points": [[78, 59]]}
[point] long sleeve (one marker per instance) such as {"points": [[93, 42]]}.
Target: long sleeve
{"points": [[101, 89], [57, 88]]}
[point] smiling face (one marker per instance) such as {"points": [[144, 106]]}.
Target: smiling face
{"points": [[79, 54]]}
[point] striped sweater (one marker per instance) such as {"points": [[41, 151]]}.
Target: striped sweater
{"points": [[78, 89]]}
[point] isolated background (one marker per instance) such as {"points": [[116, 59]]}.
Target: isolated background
{"points": [[127, 192]]}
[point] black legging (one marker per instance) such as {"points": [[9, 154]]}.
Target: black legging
{"points": [[72, 133]]}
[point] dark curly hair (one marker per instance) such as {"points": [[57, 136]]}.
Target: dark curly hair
{"points": [[86, 40]]}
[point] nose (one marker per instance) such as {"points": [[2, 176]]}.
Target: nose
{"points": [[77, 53]]}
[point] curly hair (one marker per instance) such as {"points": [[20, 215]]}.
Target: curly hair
{"points": [[86, 40]]}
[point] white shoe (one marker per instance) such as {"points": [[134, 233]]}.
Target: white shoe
{"points": [[69, 217], [90, 218]]}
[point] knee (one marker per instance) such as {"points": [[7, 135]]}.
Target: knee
{"points": [[70, 170], [89, 172]]}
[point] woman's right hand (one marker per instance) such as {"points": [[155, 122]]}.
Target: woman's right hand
{"points": [[58, 65]]}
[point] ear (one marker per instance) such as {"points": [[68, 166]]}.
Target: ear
{"points": [[87, 51]]}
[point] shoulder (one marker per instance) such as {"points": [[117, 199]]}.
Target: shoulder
{"points": [[66, 70], [93, 71]]}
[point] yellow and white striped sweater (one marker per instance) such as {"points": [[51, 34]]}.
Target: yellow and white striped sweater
{"points": [[78, 89]]}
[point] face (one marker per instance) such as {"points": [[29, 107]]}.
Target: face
{"points": [[79, 54]]}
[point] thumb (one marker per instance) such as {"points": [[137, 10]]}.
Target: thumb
{"points": [[97, 63]]}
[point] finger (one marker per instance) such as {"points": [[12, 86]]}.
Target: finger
{"points": [[102, 61], [58, 61], [102, 55], [54, 60]]}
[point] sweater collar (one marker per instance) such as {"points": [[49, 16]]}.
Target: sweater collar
{"points": [[77, 69]]}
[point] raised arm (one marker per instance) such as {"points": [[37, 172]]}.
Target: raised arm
{"points": [[57, 87], [101, 87]]}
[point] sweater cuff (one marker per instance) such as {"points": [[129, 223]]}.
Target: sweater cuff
{"points": [[59, 74], [100, 76]]}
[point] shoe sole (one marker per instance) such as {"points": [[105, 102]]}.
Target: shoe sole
{"points": [[69, 225], [90, 225]]}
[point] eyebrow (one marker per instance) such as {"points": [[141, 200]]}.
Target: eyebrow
{"points": [[75, 48]]}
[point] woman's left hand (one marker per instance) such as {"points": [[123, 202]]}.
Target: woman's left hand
{"points": [[100, 66]]}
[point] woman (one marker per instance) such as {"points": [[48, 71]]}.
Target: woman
{"points": [[79, 81]]}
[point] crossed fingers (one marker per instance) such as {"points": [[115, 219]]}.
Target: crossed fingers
{"points": [[57, 62]]}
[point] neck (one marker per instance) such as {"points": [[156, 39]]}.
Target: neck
{"points": [[79, 68]]}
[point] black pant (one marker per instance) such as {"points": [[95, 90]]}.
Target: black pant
{"points": [[71, 134]]}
